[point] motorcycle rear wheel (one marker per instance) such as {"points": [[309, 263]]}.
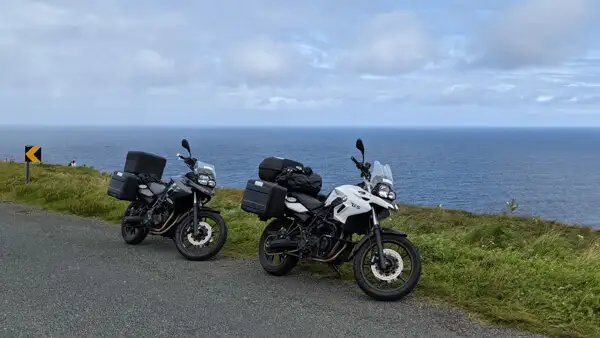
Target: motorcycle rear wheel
{"points": [[393, 274], [133, 235], [286, 262]]}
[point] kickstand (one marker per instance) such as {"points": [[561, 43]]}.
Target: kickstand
{"points": [[337, 270]]}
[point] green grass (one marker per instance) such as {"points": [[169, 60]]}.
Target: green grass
{"points": [[528, 273]]}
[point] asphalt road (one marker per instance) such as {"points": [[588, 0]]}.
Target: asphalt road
{"points": [[63, 276]]}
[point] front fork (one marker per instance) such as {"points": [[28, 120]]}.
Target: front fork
{"points": [[382, 261], [196, 230]]}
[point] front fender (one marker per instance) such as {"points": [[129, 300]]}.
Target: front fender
{"points": [[371, 237], [205, 208], [383, 203]]}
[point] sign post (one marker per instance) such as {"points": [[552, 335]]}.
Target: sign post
{"points": [[32, 154]]}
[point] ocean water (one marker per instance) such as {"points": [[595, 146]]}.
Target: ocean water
{"points": [[552, 173]]}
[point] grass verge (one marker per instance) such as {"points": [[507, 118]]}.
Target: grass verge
{"points": [[532, 274]]}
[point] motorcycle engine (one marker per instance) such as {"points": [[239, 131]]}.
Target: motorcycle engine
{"points": [[160, 215], [319, 244]]}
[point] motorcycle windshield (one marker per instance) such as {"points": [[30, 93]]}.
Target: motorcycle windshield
{"points": [[203, 168], [381, 174]]}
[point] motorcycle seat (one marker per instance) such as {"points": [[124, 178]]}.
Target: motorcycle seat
{"points": [[307, 201], [156, 188]]}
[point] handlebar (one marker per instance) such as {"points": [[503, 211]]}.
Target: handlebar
{"points": [[364, 168], [190, 161]]}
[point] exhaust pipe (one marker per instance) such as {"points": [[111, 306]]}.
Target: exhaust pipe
{"points": [[282, 244]]}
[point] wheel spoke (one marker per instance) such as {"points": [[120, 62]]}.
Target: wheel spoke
{"points": [[399, 280]]}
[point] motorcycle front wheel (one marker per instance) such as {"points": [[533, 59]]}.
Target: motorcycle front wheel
{"points": [[396, 281], [210, 240]]}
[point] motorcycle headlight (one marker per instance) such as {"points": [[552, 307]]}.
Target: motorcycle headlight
{"points": [[384, 191], [206, 180], [392, 195]]}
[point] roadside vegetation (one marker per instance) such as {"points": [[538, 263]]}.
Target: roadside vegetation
{"points": [[529, 273]]}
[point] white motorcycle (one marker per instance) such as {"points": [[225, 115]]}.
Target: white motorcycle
{"points": [[320, 228]]}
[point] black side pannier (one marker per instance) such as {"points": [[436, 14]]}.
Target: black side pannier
{"points": [[270, 167], [139, 162], [301, 181], [123, 186], [264, 199]]}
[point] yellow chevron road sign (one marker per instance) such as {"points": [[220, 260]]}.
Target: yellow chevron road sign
{"points": [[33, 154]]}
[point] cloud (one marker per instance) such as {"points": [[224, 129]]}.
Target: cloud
{"points": [[537, 32], [392, 43], [262, 60], [153, 69], [266, 98], [38, 14], [72, 57], [278, 102]]}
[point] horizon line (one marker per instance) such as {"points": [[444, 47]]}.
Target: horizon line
{"points": [[294, 126]]}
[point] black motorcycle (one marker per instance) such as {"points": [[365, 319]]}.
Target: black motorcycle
{"points": [[308, 225], [175, 209]]}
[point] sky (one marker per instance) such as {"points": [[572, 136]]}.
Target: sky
{"points": [[322, 63]]}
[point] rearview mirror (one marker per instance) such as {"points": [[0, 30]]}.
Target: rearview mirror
{"points": [[361, 147], [186, 145]]}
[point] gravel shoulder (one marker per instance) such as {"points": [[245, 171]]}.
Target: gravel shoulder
{"points": [[66, 276]]}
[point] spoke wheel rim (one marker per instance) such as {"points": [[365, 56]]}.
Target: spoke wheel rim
{"points": [[131, 230], [208, 233], [394, 279], [269, 256]]}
